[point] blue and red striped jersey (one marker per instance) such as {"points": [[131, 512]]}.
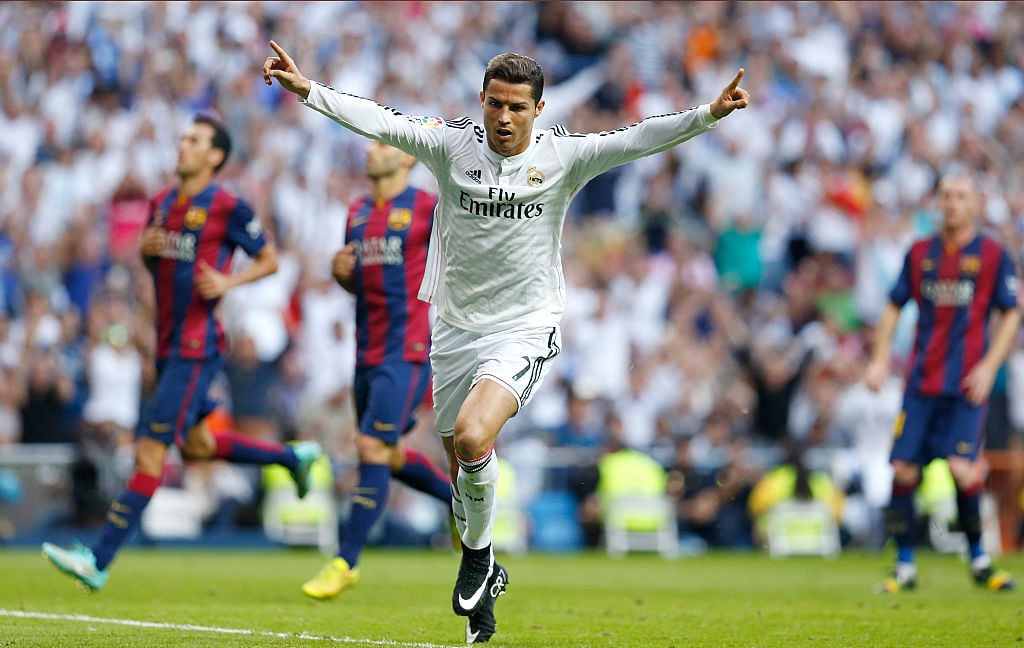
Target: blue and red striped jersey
{"points": [[208, 227], [391, 240], [956, 290]]}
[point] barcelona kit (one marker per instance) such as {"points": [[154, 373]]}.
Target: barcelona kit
{"points": [[956, 290], [391, 238], [205, 228]]}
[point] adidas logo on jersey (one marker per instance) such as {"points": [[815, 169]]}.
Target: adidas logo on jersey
{"points": [[475, 175]]}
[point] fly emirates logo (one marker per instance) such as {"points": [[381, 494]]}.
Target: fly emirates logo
{"points": [[380, 250], [948, 292], [500, 204], [180, 246]]}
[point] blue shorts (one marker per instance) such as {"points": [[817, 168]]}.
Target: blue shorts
{"points": [[386, 396], [181, 399], [937, 427]]}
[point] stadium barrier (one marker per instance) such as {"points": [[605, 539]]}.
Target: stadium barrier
{"points": [[36, 486]]}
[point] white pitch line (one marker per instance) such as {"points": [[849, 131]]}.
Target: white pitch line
{"points": [[198, 628]]}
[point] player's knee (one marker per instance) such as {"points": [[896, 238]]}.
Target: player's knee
{"points": [[149, 457], [965, 473], [199, 445], [471, 440], [905, 474], [372, 450]]}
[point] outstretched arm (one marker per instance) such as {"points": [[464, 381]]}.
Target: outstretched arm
{"points": [[733, 97], [283, 68], [416, 135]]}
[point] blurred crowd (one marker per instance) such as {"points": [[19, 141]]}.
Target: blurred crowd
{"points": [[720, 295]]}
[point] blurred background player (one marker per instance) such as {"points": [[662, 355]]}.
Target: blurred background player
{"points": [[194, 228], [382, 264], [957, 279]]}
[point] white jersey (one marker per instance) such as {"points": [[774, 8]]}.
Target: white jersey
{"points": [[495, 253]]}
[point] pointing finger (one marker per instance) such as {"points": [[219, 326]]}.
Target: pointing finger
{"points": [[283, 54], [736, 80]]}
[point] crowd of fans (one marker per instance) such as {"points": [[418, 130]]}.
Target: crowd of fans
{"points": [[720, 295]]}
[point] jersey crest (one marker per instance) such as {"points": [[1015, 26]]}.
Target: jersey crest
{"points": [[534, 177], [399, 219], [970, 264], [195, 218]]}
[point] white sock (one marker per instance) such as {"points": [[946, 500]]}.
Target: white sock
{"points": [[981, 562], [906, 571], [459, 511], [478, 485]]}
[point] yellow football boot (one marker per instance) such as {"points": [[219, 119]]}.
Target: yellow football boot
{"points": [[996, 580], [335, 577]]}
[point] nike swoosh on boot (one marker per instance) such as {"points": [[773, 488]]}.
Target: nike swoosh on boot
{"points": [[472, 601]]}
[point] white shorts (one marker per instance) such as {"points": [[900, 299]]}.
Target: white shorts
{"points": [[516, 360]]}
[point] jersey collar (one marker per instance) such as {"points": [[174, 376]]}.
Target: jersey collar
{"points": [[511, 161]]}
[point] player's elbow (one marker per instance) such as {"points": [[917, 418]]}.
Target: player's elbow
{"points": [[268, 259], [1016, 314]]}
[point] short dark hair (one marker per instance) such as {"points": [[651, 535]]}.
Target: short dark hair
{"points": [[221, 138], [516, 68]]}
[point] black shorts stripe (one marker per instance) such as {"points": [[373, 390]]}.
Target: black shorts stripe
{"points": [[538, 364]]}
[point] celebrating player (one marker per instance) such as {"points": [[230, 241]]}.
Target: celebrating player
{"points": [[494, 267]]}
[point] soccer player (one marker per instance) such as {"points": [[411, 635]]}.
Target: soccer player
{"points": [[494, 266], [194, 228], [382, 264], [957, 278]]}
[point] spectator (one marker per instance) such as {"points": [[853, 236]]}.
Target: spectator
{"points": [[114, 378], [48, 393], [10, 417], [710, 481]]}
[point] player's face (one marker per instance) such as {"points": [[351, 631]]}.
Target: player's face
{"points": [[509, 111], [383, 160], [195, 151], [958, 202]]}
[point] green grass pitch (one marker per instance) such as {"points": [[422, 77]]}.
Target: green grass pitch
{"points": [[175, 597]]}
